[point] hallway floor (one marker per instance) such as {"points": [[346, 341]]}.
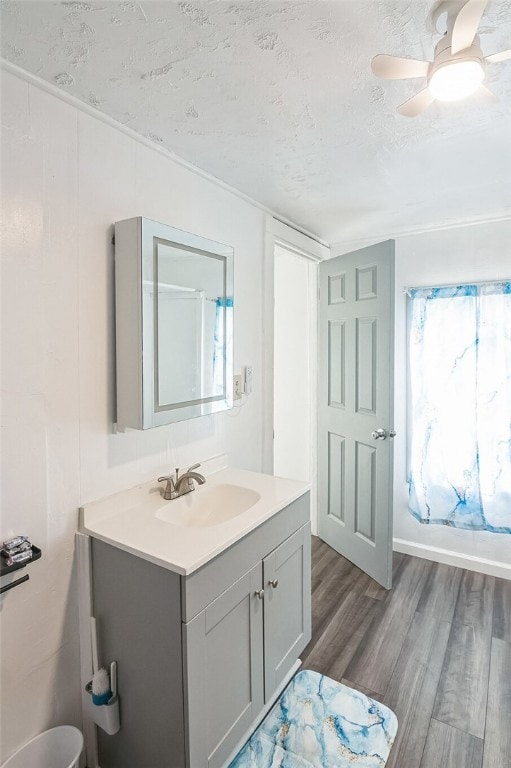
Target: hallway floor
{"points": [[436, 649]]}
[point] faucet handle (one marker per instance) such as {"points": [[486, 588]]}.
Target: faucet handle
{"points": [[194, 466], [170, 488], [169, 479]]}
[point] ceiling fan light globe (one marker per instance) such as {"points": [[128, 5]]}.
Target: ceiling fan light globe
{"points": [[456, 80]]}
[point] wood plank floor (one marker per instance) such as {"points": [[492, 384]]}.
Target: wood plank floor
{"points": [[436, 649]]}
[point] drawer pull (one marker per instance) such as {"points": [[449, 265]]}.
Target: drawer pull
{"points": [[274, 583], [260, 593]]}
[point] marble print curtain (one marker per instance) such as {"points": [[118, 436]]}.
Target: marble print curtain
{"points": [[460, 406]]}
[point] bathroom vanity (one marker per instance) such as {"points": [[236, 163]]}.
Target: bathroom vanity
{"points": [[204, 607]]}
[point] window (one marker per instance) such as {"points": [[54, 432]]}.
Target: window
{"points": [[460, 406]]}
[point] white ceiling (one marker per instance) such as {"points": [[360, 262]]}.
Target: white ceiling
{"points": [[278, 100]]}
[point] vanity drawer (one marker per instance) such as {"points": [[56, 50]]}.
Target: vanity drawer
{"points": [[200, 588]]}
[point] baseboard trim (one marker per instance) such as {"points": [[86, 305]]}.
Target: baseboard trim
{"points": [[447, 556]]}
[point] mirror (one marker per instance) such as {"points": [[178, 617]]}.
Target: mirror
{"points": [[186, 334]]}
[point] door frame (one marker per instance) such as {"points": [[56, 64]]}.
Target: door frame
{"points": [[313, 251]]}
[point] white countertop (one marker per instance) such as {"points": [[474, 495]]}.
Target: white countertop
{"points": [[128, 520]]}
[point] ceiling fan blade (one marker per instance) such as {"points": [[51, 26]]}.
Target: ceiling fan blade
{"points": [[395, 68], [417, 104], [484, 94], [496, 57], [465, 25]]}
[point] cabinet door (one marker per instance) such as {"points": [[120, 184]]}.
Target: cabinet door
{"points": [[287, 606], [224, 671]]}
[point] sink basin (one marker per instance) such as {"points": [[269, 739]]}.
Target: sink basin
{"points": [[208, 506], [184, 534]]}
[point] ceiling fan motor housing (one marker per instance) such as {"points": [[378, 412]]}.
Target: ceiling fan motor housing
{"points": [[444, 57]]}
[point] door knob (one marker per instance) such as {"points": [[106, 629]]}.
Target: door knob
{"points": [[379, 434], [274, 583], [259, 593]]}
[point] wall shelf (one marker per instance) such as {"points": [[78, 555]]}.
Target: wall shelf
{"points": [[5, 569]]}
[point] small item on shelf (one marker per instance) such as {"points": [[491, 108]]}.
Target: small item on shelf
{"points": [[19, 557], [16, 550], [16, 542]]}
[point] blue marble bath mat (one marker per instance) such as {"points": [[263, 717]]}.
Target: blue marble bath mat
{"points": [[319, 723]]}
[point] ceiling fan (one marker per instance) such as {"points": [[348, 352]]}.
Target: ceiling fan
{"points": [[458, 68]]}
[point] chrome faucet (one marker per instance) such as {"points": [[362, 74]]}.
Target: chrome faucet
{"points": [[178, 486]]}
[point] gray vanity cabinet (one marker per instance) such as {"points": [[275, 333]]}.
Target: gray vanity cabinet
{"points": [[224, 664], [240, 648], [201, 656], [287, 606]]}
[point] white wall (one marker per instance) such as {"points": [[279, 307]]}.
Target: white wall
{"points": [[66, 177], [479, 252]]}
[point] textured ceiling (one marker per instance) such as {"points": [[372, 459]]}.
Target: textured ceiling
{"points": [[278, 100]]}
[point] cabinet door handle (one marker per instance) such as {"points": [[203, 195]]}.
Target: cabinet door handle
{"points": [[259, 593], [274, 583]]}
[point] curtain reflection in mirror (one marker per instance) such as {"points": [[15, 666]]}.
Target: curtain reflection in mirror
{"points": [[222, 357]]}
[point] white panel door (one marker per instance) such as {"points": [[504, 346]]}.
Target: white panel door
{"points": [[355, 407]]}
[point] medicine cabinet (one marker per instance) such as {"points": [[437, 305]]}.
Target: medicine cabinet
{"points": [[174, 324]]}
